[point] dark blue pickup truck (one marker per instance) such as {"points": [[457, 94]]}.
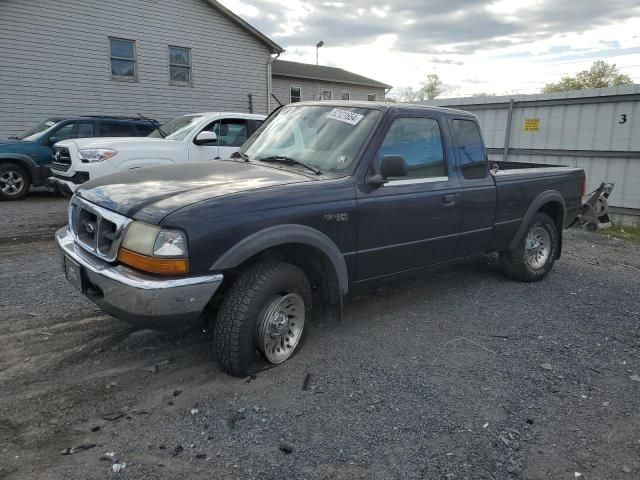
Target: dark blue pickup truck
{"points": [[322, 197]]}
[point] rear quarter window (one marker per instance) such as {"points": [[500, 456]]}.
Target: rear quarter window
{"points": [[109, 129], [144, 129], [473, 160]]}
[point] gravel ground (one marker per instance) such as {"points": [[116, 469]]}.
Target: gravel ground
{"points": [[38, 216], [454, 374]]}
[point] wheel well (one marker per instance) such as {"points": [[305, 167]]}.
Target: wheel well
{"points": [[21, 164], [554, 210], [312, 261]]}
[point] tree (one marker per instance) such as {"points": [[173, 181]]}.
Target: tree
{"points": [[432, 87], [427, 91], [601, 74]]}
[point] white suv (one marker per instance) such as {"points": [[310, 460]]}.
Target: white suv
{"points": [[198, 137]]}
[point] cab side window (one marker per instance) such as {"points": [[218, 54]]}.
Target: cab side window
{"points": [[234, 133], [231, 132], [471, 152], [419, 142]]}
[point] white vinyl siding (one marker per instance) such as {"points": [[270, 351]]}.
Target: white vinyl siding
{"points": [[311, 90], [60, 60]]}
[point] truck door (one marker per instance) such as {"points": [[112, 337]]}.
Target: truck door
{"points": [[411, 221], [478, 188]]}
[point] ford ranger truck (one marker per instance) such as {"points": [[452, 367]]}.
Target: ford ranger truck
{"points": [[198, 137], [323, 197]]}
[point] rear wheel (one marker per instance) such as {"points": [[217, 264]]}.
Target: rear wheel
{"points": [[14, 182], [264, 312], [535, 255]]}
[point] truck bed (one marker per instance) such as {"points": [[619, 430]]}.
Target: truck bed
{"points": [[519, 184]]}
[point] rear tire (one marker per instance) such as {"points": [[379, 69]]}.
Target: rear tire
{"points": [[14, 182], [533, 258], [264, 313]]}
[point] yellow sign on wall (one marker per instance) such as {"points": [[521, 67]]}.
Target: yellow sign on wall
{"points": [[531, 124]]}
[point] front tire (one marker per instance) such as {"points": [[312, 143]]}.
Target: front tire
{"points": [[263, 312], [14, 182], [533, 258]]}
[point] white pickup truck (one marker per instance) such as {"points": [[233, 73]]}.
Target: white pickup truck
{"points": [[197, 137]]}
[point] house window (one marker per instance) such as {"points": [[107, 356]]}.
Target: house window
{"points": [[179, 66], [371, 97], [346, 95], [327, 95], [123, 59], [295, 95]]}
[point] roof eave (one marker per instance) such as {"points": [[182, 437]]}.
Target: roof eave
{"points": [[273, 46], [306, 77]]}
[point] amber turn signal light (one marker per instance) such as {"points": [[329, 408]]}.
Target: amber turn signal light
{"points": [[166, 266]]}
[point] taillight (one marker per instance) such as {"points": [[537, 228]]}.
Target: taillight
{"points": [[584, 185]]}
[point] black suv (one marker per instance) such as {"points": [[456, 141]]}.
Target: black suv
{"points": [[25, 159]]}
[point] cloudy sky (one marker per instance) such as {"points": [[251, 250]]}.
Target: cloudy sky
{"points": [[476, 46]]}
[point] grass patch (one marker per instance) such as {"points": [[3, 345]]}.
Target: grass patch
{"points": [[626, 233]]}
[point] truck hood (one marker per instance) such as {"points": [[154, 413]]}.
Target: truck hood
{"points": [[113, 142], [151, 193]]}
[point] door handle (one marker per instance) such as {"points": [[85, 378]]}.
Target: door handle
{"points": [[449, 200], [217, 158]]}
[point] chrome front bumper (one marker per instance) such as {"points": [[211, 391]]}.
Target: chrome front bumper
{"points": [[138, 298]]}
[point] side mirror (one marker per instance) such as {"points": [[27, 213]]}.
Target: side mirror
{"points": [[393, 166], [206, 138], [53, 140], [390, 166]]}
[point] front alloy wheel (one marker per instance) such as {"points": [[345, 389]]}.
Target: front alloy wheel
{"points": [[263, 313], [13, 182], [280, 327]]}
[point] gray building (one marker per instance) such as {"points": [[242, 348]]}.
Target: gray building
{"points": [[299, 82], [161, 58], [596, 129]]}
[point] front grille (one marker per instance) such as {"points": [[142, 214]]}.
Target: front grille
{"points": [[61, 159], [96, 229]]}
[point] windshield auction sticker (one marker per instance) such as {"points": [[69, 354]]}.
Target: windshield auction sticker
{"points": [[345, 116]]}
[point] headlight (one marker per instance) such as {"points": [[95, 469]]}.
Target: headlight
{"points": [[154, 249], [91, 155]]}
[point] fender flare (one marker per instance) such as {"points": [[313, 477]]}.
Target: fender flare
{"points": [[280, 235], [22, 160], [549, 196]]}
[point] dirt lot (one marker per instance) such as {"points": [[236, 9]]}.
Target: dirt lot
{"points": [[456, 374]]}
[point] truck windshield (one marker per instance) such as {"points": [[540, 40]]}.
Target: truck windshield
{"points": [[328, 138], [178, 128], [36, 132]]}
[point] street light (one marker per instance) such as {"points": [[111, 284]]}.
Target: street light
{"points": [[318, 45]]}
